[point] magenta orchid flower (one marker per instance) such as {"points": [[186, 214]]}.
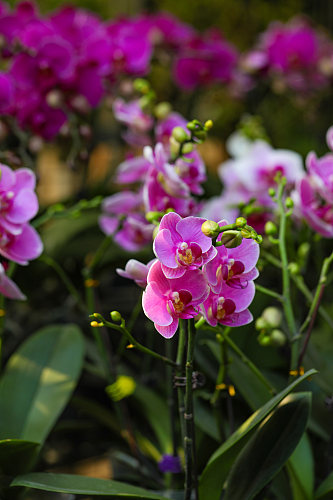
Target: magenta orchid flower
{"points": [[229, 306], [136, 271], [315, 191], [19, 241], [165, 301], [233, 266], [8, 288], [181, 245]]}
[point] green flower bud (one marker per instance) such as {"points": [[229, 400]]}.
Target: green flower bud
{"points": [[264, 340], [261, 324], [174, 146], [180, 135], [241, 222], [162, 110], [115, 316], [200, 134], [272, 316], [153, 216], [208, 124], [270, 228], [187, 148], [271, 192], [259, 239], [231, 238], [278, 338], [141, 85], [210, 228], [293, 268], [303, 250], [289, 203]]}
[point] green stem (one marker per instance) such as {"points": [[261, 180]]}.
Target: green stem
{"points": [[310, 319], [188, 415], [179, 361], [267, 291], [133, 342], [299, 281], [321, 284], [287, 304], [221, 372]]}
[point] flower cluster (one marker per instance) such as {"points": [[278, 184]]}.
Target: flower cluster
{"points": [[191, 276], [315, 191], [249, 175], [293, 55], [64, 63], [19, 241], [162, 182]]}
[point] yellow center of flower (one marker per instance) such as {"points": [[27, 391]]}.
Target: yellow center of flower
{"points": [[220, 314], [184, 254], [177, 303]]}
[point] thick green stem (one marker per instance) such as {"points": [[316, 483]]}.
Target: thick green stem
{"points": [[287, 304], [188, 415], [179, 373]]}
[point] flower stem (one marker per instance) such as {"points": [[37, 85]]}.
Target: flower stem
{"points": [[267, 291], [188, 415], [134, 343], [179, 361]]}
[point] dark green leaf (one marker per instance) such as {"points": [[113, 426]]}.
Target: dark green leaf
{"points": [[82, 485], [301, 470], [38, 382], [216, 471], [17, 456], [270, 447], [325, 490]]}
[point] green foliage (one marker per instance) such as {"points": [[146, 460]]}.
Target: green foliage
{"points": [[270, 447], [325, 490], [301, 470], [217, 469], [81, 485], [38, 382]]}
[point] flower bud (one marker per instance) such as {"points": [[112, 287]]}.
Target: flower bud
{"points": [[174, 146], [293, 268], [264, 340], [210, 228], [162, 110], [187, 148], [272, 316], [278, 338], [115, 316], [200, 134], [271, 192], [208, 124], [241, 222], [261, 323], [303, 250], [289, 202], [153, 216], [179, 134], [54, 98], [141, 85], [270, 228], [231, 238]]}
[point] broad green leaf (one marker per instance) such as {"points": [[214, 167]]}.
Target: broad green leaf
{"points": [[38, 382], [82, 485], [301, 470], [270, 447], [325, 490], [216, 471], [17, 456]]}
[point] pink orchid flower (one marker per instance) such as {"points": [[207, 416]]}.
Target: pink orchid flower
{"points": [[165, 300], [181, 245]]}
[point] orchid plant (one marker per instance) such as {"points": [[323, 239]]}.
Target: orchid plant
{"points": [[211, 387]]}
